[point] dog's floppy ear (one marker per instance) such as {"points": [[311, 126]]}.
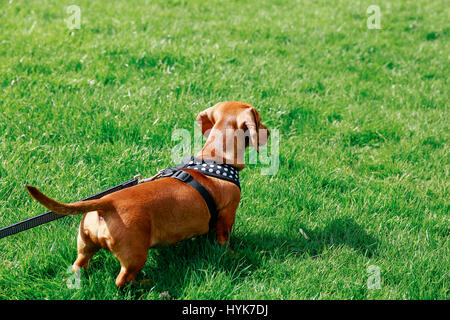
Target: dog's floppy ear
{"points": [[250, 121], [205, 121]]}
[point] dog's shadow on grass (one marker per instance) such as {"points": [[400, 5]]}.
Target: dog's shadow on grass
{"points": [[191, 263], [340, 232]]}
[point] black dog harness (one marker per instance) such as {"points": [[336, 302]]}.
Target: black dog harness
{"points": [[207, 167]]}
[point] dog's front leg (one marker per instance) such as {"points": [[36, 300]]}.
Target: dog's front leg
{"points": [[225, 223]]}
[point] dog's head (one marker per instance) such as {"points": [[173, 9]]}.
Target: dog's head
{"points": [[235, 115]]}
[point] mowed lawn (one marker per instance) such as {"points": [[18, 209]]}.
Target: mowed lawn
{"points": [[361, 193]]}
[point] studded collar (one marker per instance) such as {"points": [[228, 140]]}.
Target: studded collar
{"points": [[207, 167]]}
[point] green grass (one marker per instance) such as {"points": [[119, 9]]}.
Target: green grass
{"points": [[364, 152]]}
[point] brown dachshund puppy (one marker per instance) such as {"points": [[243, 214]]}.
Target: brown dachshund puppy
{"points": [[165, 211]]}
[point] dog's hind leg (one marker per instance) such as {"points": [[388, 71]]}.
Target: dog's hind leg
{"points": [[86, 249], [130, 266], [132, 255]]}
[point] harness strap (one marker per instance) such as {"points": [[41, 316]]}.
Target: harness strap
{"points": [[185, 177]]}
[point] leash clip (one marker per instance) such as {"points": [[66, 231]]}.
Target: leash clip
{"points": [[167, 172], [140, 180]]}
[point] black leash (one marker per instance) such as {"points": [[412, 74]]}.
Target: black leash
{"points": [[50, 216], [175, 172]]}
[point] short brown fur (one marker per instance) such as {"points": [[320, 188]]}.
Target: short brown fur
{"points": [[164, 211]]}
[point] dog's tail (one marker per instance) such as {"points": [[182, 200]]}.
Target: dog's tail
{"points": [[68, 209]]}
